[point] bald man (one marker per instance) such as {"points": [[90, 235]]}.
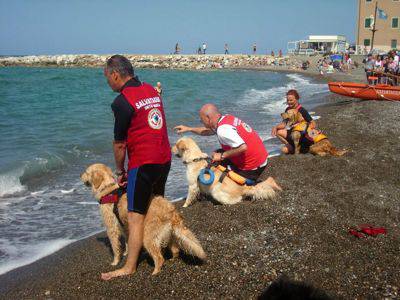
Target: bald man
{"points": [[242, 148]]}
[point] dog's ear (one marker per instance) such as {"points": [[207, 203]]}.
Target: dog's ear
{"points": [[181, 146], [97, 179]]}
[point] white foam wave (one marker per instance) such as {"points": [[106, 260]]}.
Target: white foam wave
{"points": [[177, 199], [21, 256], [274, 99], [67, 191], [88, 203], [316, 117], [10, 183]]}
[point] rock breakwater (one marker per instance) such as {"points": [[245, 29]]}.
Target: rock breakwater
{"points": [[196, 62]]}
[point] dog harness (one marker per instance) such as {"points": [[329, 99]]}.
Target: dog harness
{"points": [[114, 197], [313, 135], [147, 139]]}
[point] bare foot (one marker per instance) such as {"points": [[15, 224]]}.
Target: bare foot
{"points": [[271, 181], [116, 273]]}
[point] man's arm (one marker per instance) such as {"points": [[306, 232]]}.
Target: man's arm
{"points": [[196, 130], [229, 153], [119, 148]]}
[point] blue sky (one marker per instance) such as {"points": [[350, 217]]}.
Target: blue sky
{"points": [[147, 26]]}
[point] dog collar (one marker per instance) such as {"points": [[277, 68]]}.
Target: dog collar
{"points": [[196, 160]]}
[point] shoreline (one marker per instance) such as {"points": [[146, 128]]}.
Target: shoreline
{"points": [[245, 257]]}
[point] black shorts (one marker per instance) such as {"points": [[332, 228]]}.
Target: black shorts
{"points": [[143, 182]]}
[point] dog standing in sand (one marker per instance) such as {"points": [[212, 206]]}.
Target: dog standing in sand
{"points": [[163, 225], [225, 192], [319, 143]]}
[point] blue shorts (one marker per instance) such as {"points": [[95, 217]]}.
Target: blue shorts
{"points": [[144, 182]]}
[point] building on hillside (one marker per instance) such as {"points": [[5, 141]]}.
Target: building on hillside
{"points": [[318, 44], [387, 25]]}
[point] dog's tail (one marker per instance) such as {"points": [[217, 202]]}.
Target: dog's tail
{"points": [[337, 152], [186, 239], [262, 190]]}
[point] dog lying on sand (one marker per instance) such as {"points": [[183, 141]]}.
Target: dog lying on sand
{"points": [[163, 225], [320, 145], [227, 192]]}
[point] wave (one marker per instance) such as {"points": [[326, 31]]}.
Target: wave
{"points": [[21, 256], [274, 99], [10, 183]]}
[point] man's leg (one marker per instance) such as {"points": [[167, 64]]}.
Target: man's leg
{"points": [[135, 243]]}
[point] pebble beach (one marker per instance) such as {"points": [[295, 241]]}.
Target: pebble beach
{"points": [[303, 234]]}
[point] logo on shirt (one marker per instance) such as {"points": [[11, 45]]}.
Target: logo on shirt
{"points": [[246, 127], [155, 118]]}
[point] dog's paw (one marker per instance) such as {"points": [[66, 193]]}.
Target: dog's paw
{"points": [[115, 262]]}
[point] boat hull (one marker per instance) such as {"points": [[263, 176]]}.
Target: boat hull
{"points": [[366, 91]]}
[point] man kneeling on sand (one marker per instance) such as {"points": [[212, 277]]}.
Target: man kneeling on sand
{"points": [[242, 148]]}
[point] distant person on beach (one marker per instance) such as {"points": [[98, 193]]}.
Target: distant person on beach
{"points": [[199, 50], [158, 88], [369, 68], [204, 48], [226, 48], [254, 48], [280, 53], [280, 130], [140, 132], [242, 148], [177, 48]]}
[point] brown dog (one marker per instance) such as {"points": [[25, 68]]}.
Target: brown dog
{"points": [[163, 225], [320, 144], [225, 192]]}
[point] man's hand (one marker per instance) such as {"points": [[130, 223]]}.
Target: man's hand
{"points": [[217, 156], [181, 129], [122, 179]]}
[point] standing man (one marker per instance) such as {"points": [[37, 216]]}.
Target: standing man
{"points": [[254, 48], [204, 48], [226, 48], [140, 131], [242, 148]]}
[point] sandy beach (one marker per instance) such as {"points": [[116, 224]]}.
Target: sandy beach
{"points": [[302, 234]]}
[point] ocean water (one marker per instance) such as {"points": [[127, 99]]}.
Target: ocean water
{"points": [[54, 122]]}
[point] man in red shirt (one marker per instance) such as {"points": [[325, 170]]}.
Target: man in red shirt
{"points": [[140, 131], [241, 145]]}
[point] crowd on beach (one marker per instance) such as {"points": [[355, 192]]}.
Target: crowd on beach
{"points": [[383, 68]]}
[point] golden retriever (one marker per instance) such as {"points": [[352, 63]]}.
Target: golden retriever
{"points": [[227, 192], [163, 225], [321, 145]]}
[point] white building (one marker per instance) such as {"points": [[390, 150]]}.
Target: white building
{"points": [[318, 44]]}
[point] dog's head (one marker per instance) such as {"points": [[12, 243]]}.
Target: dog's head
{"points": [[100, 178], [292, 116], [187, 149]]}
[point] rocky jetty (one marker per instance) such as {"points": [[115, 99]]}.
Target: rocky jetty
{"points": [[196, 62]]}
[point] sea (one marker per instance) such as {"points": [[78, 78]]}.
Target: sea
{"points": [[54, 122]]}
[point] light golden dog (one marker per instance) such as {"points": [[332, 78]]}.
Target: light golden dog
{"points": [[163, 225], [227, 192], [321, 145]]}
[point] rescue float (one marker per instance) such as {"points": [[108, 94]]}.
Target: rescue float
{"points": [[366, 91]]}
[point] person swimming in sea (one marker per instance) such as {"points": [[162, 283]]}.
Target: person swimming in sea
{"points": [[158, 88]]}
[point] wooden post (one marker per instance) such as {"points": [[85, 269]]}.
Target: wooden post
{"points": [[373, 29]]}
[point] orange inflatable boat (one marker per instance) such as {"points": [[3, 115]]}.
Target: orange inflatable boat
{"points": [[366, 91]]}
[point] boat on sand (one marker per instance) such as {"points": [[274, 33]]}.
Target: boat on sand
{"points": [[366, 91]]}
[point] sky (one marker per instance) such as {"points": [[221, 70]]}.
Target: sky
{"points": [[36, 27]]}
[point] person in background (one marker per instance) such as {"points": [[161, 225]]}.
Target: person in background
{"points": [[158, 88], [204, 48], [369, 67], [254, 48], [226, 48]]}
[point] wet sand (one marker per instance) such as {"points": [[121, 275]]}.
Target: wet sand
{"points": [[302, 234]]}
